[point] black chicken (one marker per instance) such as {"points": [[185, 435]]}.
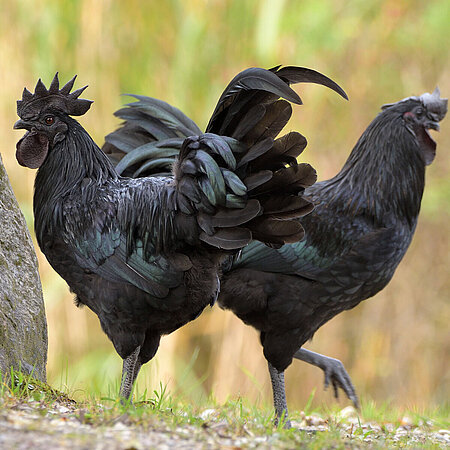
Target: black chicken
{"points": [[356, 236], [362, 225], [144, 254]]}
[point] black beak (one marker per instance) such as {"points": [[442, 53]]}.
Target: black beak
{"points": [[433, 125], [21, 125], [434, 118]]}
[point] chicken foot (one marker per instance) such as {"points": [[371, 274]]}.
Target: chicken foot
{"points": [[334, 371]]}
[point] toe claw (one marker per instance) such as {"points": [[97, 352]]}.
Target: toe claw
{"points": [[336, 390], [327, 380], [336, 374], [355, 400]]}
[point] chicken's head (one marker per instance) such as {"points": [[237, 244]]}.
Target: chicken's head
{"points": [[44, 115], [421, 114]]}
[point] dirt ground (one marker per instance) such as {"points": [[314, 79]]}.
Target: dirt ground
{"points": [[29, 424]]}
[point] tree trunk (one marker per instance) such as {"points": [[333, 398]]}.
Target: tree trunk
{"points": [[23, 326]]}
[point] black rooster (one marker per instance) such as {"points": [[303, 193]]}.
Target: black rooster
{"points": [[356, 236], [363, 222], [144, 254]]}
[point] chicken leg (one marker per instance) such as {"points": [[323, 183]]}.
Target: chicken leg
{"points": [[279, 396], [130, 371]]}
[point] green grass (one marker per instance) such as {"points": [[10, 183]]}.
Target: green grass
{"points": [[236, 418], [17, 386]]}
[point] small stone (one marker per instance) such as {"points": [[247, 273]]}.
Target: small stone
{"points": [[314, 420], [207, 414], [375, 427], [400, 431], [406, 421], [348, 412], [119, 426]]}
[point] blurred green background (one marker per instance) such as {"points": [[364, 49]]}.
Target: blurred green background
{"points": [[395, 346]]}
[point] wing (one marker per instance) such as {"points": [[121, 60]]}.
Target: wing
{"points": [[101, 244], [105, 254], [291, 259], [364, 258]]}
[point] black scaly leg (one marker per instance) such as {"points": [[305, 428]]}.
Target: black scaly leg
{"points": [[279, 396], [130, 372]]}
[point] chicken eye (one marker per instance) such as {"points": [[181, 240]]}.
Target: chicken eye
{"points": [[50, 120]]}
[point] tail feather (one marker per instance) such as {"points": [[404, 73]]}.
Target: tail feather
{"points": [[152, 165], [148, 121], [139, 120], [253, 79], [261, 121], [255, 152], [238, 180], [281, 208], [275, 119], [225, 218], [236, 185], [288, 180], [228, 238], [294, 74], [224, 206], [151, 151], [232, 115], [257, 179], [285, 150], [247, 122], [170, 116], [277, 232]]}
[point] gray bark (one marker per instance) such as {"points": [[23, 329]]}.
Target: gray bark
{"points": [[23, 326]]}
